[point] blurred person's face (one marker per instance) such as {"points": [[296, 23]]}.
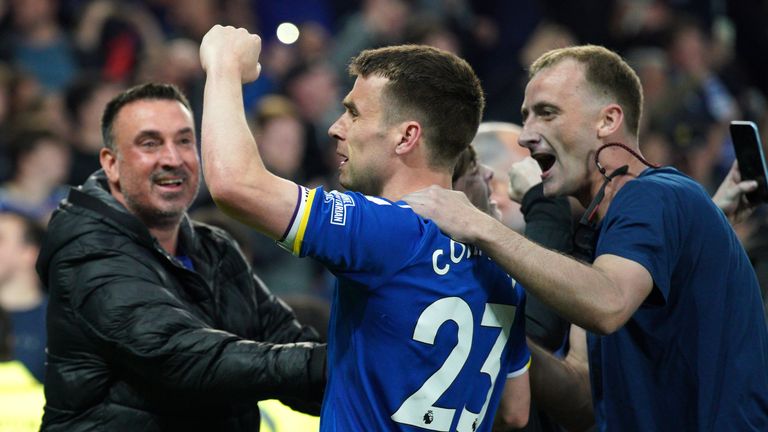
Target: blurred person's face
{"points": [[281, 145], [561, 114], [29, 13], [277, 59], [181, 62], [155, 170], [315, 92], [49, 163], [476, 185], [55, 115], [444, 40], [653, 77], [15, 254], [195, 17], [314, 41], [689, 51], [386, 18], [363, 138], [499, 154]]}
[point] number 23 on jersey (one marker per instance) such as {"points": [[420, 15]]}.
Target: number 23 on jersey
{"points": [[419, 408]]}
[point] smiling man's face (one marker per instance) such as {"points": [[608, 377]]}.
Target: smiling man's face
{"points": [[154, 170]]}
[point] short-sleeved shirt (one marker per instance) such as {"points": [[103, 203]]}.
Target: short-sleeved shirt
{"points": [[694, 356], [424, 330]]}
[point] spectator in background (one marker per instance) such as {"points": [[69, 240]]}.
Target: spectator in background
{"points": [[506, 79], [39, 167], [7, 78], [21, 395], [22, 95], [157, 322], [21, 293], [496, 146], [695, 113], [193, 19], [38, 44], [652, 67], [85, 100], [314, 88], [425, 29], [280, 136], [114, 38], [377, 23], [314, 42], [474, 179]]}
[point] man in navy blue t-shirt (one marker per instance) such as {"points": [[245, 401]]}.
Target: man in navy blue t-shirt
{"points": [[678, 339]]}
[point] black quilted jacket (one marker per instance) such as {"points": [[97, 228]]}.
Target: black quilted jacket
{"points": [[136, 342]]}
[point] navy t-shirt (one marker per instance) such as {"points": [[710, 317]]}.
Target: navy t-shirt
{"points": [[694, 356]]}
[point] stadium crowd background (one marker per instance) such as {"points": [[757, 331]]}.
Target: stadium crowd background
{"points": [[700, 63]]}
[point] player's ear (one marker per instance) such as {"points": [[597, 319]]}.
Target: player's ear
{"points": [[611, 119], [410, 132]]}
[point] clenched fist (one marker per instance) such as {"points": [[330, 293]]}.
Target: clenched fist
{"points": [[523, 175], [231, 50]]}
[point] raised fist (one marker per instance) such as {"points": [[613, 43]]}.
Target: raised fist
{"points": [[233, 50]]}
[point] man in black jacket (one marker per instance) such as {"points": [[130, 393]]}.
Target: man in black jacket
{"points": [[156, 322]]}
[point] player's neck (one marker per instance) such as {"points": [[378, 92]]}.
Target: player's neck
{"points": [[613, 187], [412, 181]]}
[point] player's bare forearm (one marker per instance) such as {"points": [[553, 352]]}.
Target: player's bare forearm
{"points": [[515, 405], [590, 296], [561, 390], [234, 172], [599, 297]]}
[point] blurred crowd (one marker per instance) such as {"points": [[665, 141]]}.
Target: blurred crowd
{"points": [[62, 60]]}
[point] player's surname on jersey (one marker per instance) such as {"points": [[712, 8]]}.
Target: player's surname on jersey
{"points": [[458, 252]]}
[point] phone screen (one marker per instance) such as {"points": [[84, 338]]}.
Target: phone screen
{"points": [[750, 154]]}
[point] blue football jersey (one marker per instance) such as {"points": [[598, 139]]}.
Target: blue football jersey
{"points": [[424, 330]]}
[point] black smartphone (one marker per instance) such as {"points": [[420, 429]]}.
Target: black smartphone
{"points": [[749, 153]]}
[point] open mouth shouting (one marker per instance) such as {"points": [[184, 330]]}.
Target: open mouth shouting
{"points": [[546, 161]]}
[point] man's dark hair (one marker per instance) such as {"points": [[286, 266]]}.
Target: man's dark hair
{"points": [[148, 91], [606, 72], [432, 86], [25, 141]]}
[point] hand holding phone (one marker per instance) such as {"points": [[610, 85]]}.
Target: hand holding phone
{"points": [[751, 158]]}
